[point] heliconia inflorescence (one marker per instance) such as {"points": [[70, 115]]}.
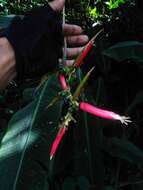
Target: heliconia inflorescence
{"points": [[63, 82], [84, 106], [57, 141]]}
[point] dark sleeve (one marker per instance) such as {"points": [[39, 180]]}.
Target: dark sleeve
{"points": [[37, 40]]}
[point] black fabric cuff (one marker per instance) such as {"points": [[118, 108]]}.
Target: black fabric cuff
{"points": [[37, 39]]}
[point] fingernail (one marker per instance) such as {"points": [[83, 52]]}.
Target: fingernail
{"points": [[85, 37]]}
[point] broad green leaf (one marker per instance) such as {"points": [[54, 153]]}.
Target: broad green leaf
{"points": [[12, 146], [89, 135], [125, 50], [83, 183], [107, 188], [137, 186], [25, 147], [2, 98], [15, 137], [28, 94], [138, 100], [5, 20], [86, 145], [124, 149], [134, 182], [69, 183]]}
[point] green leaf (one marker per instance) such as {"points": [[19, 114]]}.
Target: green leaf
{"points": [[69, 184], [72, 183], [11, 149], [28, 94], [14, 139], [91, 132], [138, 186], [124, 149], [114, 5], [5, 20], [25, 148], [125, 50], [107, 188], [83, 183], [138, 100]]}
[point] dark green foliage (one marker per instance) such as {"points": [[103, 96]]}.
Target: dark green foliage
{"points": [[128, 50], [18, 6], [27, 137], [94, 153]]}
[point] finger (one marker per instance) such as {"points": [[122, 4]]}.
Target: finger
{"points": [[69, 62], [57, 5], [73, 52], [71, 29], [78, 40]]}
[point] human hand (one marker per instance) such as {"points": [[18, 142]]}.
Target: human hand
{"points": [[37, 41], [72, 33], [34, 44], [75, 39], [57, 5]]}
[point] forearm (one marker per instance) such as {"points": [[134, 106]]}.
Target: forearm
{"points": [[7, 63]]}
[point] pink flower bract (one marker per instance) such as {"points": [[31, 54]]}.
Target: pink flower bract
{"points": [[83, 54], [63, 82], [103, 113], [57, 141]]}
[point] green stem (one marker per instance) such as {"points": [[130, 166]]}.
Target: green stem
{"points": [[65, 41], [117, 173], [87, 136]]}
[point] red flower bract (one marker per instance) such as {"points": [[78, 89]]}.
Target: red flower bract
{"points": [[63, 82], [83, 54], [57, 141], [103, 113]]}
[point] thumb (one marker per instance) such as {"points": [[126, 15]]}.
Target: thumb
{"points": [[57, 5]]}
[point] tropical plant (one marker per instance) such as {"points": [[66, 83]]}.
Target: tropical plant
{"points": [[66, 134]]}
